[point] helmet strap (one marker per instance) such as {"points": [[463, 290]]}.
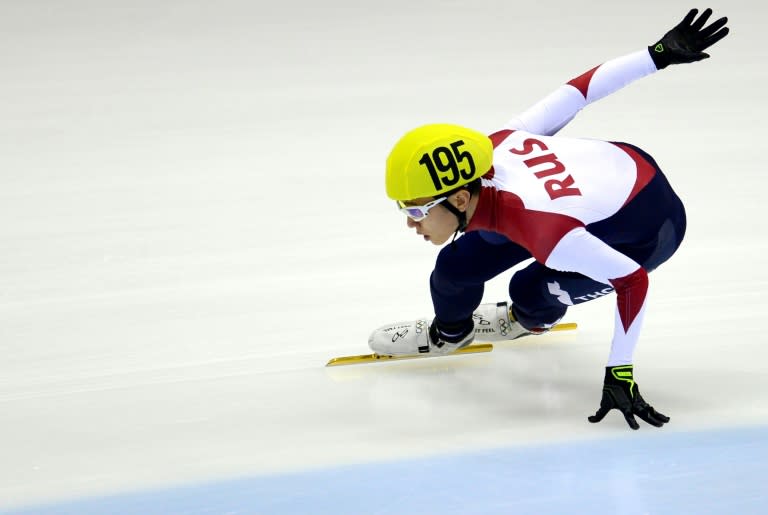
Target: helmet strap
{"points": [[460, 215]]}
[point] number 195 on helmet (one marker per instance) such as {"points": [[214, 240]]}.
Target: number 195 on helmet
{"points": [[435, 159]]}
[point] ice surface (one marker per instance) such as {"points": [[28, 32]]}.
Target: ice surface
{"points": [[192, 221]]}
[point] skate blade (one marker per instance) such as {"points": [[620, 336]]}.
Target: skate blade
{"points": [[375, 358]]}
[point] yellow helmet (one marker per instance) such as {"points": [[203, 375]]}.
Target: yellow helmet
{"points": [[434, 159]]}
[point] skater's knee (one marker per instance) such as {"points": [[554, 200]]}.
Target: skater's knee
{"points": [[448, 261], [451, 274]]}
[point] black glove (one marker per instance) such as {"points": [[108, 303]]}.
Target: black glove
{"points": [[621, 392], [687, 41]]}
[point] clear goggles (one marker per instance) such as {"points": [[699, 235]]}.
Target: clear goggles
{"points": [[418, 213]]}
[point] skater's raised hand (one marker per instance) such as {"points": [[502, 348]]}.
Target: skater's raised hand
{"points": [[686, 42], [621, 392]]}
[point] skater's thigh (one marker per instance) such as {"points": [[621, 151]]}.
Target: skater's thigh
{"points": [[478, 256]]}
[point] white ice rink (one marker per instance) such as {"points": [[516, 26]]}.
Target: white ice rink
{"points": [[193, 221]]}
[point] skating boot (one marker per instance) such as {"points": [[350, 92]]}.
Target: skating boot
{"points": [[494, 322], [415, 337]]}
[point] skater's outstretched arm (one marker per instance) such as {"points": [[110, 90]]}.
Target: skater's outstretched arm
{"points": [[685, 43], [553, 112]]}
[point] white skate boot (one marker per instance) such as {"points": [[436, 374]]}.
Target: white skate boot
{"points": [[494, 322], [415, 337]]}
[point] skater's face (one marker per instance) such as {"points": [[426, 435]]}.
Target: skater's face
{"points": [[439, 224]]}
